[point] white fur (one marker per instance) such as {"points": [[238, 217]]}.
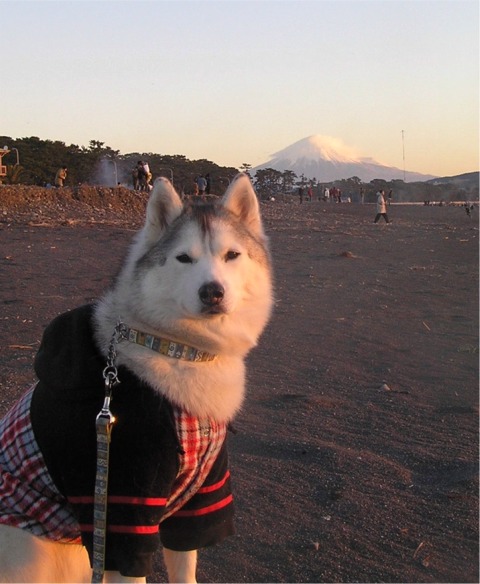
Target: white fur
{"points": [[181, 566], [163, 300], [27, 558]]}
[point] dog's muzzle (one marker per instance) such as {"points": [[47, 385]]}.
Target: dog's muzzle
{"points": [[211, 296]]}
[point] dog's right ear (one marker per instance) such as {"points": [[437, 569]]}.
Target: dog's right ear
{"points": [[164, 206]]}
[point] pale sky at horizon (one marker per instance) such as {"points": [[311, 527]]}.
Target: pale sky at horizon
{"points": [[236, 81]]}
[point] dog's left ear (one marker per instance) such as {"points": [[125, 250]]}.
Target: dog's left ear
{"points": [[242, 201], [164, 206]]}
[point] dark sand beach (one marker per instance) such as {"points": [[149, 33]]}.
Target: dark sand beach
{"points": [[356, 454]]}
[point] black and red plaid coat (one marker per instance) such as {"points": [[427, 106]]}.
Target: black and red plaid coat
{"points": [[168, 479]]}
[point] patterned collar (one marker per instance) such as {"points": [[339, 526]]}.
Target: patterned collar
{"points": [[165, 346]]}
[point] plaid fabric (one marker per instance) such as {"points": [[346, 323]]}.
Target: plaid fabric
{"points": [[201, 441], [30, 500], [28, 497]]}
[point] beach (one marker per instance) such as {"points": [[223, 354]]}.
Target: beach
{"points": [[355, 457]]}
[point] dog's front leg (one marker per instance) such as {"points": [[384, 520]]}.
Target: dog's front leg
{"points": [[115, 577], [181, 566]]}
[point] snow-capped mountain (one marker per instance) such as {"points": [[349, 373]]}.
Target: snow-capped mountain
{"points": [[328, 159]]}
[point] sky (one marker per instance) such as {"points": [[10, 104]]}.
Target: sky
{"points": [[236, 81]]}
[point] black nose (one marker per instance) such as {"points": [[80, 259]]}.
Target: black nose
{"points": [[211, 294]]}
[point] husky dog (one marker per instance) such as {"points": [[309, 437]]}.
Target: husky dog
{"points": [[169, 340]]}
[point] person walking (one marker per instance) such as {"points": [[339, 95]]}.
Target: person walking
{"points": [[381, 207]]}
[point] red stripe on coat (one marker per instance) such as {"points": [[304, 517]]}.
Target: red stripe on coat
{"points": [[215, 486], [205, 510], [135, 529], [122, 500]]}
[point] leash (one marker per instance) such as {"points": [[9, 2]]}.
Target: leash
{"points": [[104, 424], [105, 420]]}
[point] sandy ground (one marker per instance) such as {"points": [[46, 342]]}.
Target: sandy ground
{"points": [[356, 454]]}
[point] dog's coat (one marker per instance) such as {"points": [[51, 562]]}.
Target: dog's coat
{"points": [[168, 469], [199, 276]]}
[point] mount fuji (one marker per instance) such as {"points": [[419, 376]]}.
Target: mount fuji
{"points": [[328, 159]]}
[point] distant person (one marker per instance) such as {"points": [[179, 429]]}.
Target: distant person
{"points": [[300, 194], [209, 185], [390, 196], [326, 195], [310, 194], [362, 195], [135, 179], [381, 207], [335, 194], [202, 185], [141, 175], [144, 175], [148, 176], [61, 176]]}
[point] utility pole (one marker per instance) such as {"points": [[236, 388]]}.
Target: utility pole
{"points": [[403, 146]]}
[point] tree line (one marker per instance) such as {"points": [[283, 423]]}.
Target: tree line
{"points": [[33, 161], [99, 164]]}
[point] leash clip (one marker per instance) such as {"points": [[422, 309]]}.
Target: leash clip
{"points": [[110, 375], [105, 413]]}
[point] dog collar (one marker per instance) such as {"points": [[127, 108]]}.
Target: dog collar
{"points": [[165, 346]]}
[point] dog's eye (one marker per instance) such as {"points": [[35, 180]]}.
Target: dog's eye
{"points": [[231, 255], [184, 258]]}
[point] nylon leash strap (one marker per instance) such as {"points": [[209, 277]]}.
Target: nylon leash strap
{"points": [[104, 423]]}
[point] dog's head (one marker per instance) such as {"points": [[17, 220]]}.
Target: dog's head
{"points": [[202, 269]]}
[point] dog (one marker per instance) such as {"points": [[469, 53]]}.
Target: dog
{"points": [[162, 353]]}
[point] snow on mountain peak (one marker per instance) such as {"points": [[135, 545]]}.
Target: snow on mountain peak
{"points": [[319, 147], [328, 159]]}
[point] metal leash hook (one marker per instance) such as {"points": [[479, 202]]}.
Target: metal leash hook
{"points": [[104, 424]]}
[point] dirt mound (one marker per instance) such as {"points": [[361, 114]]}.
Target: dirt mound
{"points": [[65, 206]]}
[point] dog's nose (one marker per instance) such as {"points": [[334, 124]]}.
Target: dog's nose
{"points": [[211, 294]]}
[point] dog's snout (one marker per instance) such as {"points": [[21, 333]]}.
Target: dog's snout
{"points": [[211, 294]]}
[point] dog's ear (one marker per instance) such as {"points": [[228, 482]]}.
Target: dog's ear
{"points": [[242, 201], [164, 206]]}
